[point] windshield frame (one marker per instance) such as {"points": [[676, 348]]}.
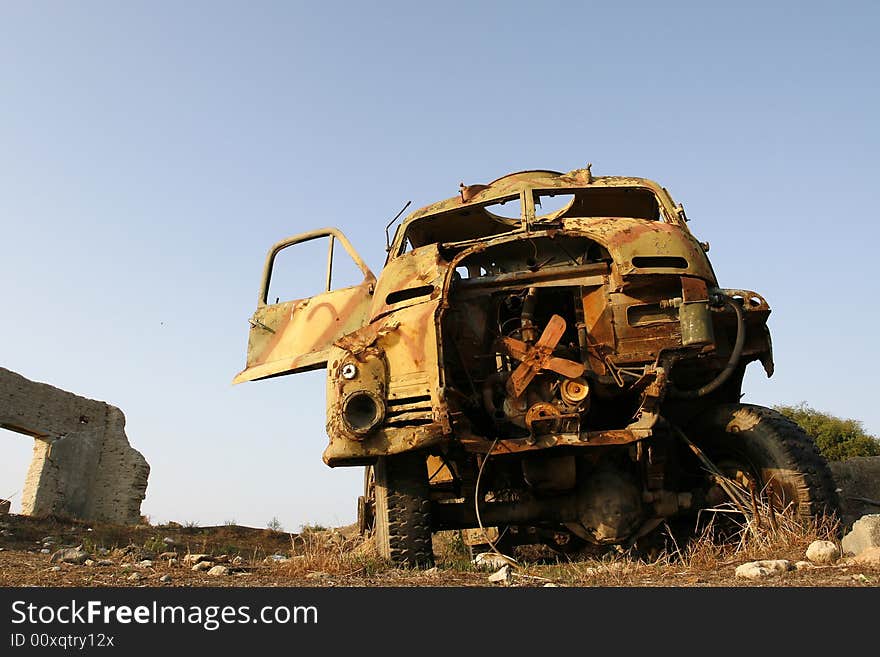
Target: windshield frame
{"points": [[402, 234]]}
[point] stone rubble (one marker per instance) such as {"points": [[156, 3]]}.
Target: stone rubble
{"points": [[823, 553], [502, 575], [865, 534], [276, 558], [71, 555], [195, 558], [869, 557], [490, 561], [763, 569]]}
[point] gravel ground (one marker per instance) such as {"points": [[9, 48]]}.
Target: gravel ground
{"points": [[129, 557]]}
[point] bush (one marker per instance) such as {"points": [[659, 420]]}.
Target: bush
{"points": [[837, 438]]}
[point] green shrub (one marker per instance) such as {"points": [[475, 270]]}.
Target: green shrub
{"points": [[837, 438], [155, 544]]}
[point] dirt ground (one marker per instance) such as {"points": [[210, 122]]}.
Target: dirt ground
{"points": [[144, 555]]}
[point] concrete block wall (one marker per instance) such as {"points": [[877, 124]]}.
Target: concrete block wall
{"points": [[83, 465]]}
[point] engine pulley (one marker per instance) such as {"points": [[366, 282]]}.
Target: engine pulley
{"points": [[574, 391], [543, 412]]}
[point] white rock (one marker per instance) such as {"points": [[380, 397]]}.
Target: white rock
{"points": [[237, 561], [146, 563], [90, 562], [203, 565], [551, 585], [134, 577], [762, 569], [55, 569], [168, 540], [195, 558], [803, 565], [218, 571], [501, 575], [165, 579], [105, 562], [869, 557], [71, 555], [276, 558], [490, 560], [823, 552], [865, 534], [45, 551], [172, 562]]}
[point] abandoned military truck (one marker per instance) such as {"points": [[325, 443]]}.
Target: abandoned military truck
{"points": [[547, 358]]}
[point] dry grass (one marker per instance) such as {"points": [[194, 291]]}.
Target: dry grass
{"points": [[729, 537], [757, 535], [330, 553]]}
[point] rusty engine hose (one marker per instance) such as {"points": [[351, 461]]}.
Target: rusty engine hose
{"points": [[732, 362]]}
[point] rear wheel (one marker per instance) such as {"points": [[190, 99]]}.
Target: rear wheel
{"points": [[403, 510], [753, 444]]}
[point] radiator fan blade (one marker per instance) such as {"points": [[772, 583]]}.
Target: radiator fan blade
{"points": [[539, 357]]}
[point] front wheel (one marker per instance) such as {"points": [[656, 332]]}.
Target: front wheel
{"points": [[403, 510], [763, 446]]}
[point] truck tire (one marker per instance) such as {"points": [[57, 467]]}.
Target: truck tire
{"points": [[778, 452], [367, 504], [403, 510]]}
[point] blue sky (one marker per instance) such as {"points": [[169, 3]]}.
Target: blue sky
{"points": [[150, 152]]}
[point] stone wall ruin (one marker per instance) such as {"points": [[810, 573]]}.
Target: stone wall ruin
{"points": [[83, 465]]}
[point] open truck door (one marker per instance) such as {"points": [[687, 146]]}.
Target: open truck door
{"points": [[296, 336]]}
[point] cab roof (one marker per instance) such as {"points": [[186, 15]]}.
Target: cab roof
{"points": [[514, 183]]}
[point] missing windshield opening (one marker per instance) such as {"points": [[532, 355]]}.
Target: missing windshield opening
{"points": [[549, 203], [474, 221]]}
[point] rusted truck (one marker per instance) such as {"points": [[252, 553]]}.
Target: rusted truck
{"points": [[547, 358]]}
